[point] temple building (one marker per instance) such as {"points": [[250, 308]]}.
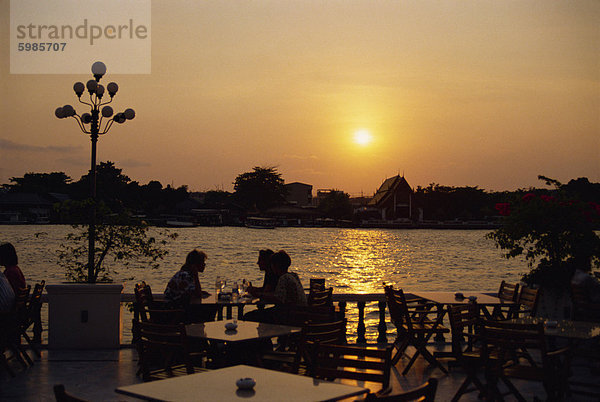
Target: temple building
{"points": [[394, 199]]}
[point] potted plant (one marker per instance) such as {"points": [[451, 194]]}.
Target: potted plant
{"points": [[554, 232], [86, 313]]}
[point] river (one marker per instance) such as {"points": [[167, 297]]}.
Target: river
{"points": [[351, 260]]}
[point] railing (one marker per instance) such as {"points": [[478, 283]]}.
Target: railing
{"points": [[343, 300]]}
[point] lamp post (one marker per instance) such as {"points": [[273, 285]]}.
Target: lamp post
{"points": [[91, 123]]}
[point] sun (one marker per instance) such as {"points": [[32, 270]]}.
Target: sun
{"points": [[362, 137]]}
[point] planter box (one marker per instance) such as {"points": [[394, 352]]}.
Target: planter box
{"points": [[84, 316]]}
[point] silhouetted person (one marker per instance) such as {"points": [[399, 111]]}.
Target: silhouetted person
{"points": [[9, 259], [270, 281]]}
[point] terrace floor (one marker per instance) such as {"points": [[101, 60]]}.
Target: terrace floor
{"points": [[94, 375]]}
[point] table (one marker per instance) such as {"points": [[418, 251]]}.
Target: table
{"points": [[228, 304], [484, 300], [243, 344], [568, 329], [219, 385], [246, 331]]}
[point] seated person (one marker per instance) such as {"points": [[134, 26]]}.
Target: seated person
{"points": [[185, 285], [9, 259], [289, 291], [582, 277], [271, 278], [7, 295]]}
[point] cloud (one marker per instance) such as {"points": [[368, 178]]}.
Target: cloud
{"points": [[301, 157], [132, 163], [15, 146]]}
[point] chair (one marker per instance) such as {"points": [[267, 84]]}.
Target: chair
{"points": [[351, 362], [30, 314], [298, 357], [583, 308], [20, 314], [508, 292], [62, 395], [423, 393], [165, 346], [414, 327], [320, 298], [502, 344], [144, 301], [527, 302], [317, 284], [298, 315], [463, 319]]}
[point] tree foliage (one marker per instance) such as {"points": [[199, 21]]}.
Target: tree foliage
{"points": [[119, 239], [262, 188], [551, 229], [336, 205]]}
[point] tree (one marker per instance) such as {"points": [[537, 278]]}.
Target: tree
{"points": [[262, 188], [41, 183], [119, 238], [551, 229], [336, 205]]}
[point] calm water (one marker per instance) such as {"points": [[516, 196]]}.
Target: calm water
{"points": [[351, 260]]}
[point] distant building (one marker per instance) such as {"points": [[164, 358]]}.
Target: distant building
{"points": [[299, 194], [394, 199]]}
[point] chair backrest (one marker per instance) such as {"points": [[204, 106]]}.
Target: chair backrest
{"points": [[318, 333], [424, 393], [317, 284], [20, 305], [352, 362], [508, 291], [463, 320], [298, 315], [398, 308], [166, 343], [583, 308], [62, 395], [528, 298], [143, 299], [317, 298], [505, 340]]}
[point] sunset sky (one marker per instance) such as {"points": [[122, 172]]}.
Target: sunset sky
{"points": [[479, 93]]}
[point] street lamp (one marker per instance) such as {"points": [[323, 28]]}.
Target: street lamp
{"points": [[91, 123]]}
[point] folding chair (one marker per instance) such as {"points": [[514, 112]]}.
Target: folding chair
{"points": [[502, 344], [351, 362], [414, 327], [463, 320], [423, 393]]}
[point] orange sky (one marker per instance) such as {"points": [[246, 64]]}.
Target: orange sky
{"points": [[487, 93]]}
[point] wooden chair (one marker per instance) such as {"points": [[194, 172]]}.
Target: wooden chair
{"points": [[351, 362], [502, 344], [62, 395], [144, 301], [298, 315], [317, 284], [320, 298], [423, 393], [414, 327], [463, 320], [30, 314], [297, 359], [20, 314], [508, 292], [583, 308], [165, 346], [527, 302]]}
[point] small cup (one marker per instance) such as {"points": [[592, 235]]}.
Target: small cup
{"points": [[231, 326]]}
